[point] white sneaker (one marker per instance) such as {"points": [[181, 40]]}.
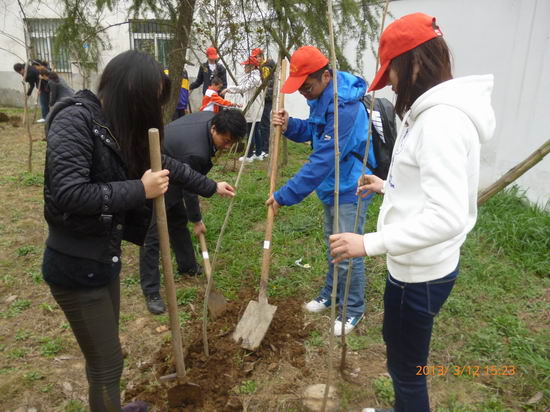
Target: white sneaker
{"points": [[247, 159], [264, 155], [40, 121], [348, 327], [317, 305]]}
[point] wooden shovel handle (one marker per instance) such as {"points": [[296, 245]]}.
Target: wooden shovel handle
{"points": [[266, 258], [162, 229]]}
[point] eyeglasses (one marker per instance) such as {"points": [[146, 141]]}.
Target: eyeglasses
{"points": [[306, 89]]}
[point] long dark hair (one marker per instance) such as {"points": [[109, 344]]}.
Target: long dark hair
{"points": [[434, 66], [132, 90]]}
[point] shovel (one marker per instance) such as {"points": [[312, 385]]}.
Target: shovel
{"points": [[216, 301], [257, 317], [162, 227]]}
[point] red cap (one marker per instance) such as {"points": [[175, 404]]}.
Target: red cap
{"points": [[252, 60], [399, 37], [256, 52], [303, 62], [212, 53]]}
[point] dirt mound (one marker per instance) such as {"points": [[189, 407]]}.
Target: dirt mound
{"points": [[219, 376]]}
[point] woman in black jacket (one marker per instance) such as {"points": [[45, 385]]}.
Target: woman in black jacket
{"points": [[58, 87], [97, 180]]}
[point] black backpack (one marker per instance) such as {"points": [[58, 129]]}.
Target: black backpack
{"points": [[382, 146]]}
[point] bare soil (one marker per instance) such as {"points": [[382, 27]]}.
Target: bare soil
{"points": [[219, 376]]}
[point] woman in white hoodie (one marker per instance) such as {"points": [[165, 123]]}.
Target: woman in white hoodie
{"points": [[248, 85], [430, 195]]}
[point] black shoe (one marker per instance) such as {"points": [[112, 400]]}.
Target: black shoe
{"points": [[155, 304], [136, 406], [196, 271]]}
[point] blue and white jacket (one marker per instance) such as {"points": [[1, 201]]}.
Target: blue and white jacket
{"points": [[318, 173]]}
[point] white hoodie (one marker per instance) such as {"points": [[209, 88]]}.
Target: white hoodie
{"points": [[430, 200]]}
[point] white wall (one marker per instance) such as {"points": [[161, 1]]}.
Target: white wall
{"points": [[511, 39]]}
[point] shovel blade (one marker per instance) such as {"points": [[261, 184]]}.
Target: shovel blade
{"points": [[216, 304], [254, 324]]}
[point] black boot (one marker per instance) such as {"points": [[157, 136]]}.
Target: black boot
{"points": [[155, 303], [195, 271]]}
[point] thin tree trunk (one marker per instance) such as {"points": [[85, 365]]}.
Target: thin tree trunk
{"points": [[28, 127], [344, 343], [26, 110], [336, 209], [514, 173], [284, 162], [178, 56]]}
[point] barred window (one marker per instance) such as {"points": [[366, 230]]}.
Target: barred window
{"points": [[152, 36], [42, 35]]}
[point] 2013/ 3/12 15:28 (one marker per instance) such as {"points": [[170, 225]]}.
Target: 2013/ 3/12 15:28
{"points": [[472, 370]]}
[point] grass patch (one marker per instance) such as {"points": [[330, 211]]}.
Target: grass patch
{"points": [[496, 315]]}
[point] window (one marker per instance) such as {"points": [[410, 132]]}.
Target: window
{"points": [[153, 37], [42, 35]]}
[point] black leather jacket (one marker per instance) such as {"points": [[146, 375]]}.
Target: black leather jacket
{"points": [[89, 203]]}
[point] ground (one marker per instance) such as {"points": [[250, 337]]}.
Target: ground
{"points": [[494, 324]]}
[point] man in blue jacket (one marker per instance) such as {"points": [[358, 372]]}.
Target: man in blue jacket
{"points": [[311, 76]]}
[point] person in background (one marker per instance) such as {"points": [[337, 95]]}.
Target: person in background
{"points": [[211, 102], [209, 70], [183, 97], [267, 66], [97, 190], [311, 76], [193, 139], [430, 195], [58, 87], [248, 85], [33, 79]]}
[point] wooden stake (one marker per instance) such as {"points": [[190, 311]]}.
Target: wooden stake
{"points": [[162, 229], [514, 173], [232, 201]]}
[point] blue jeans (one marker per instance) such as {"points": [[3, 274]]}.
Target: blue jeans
{"points": [[356, 298], [44, 98], [256, 145], [409, 311]]}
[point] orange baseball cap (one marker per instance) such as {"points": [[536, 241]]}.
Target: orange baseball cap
{"points": [[402, 35], [303, 62], [256, 52], [212, 53], [251, 60]]}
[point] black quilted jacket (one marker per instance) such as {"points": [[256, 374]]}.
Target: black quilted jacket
{"points": [[89, 203]]}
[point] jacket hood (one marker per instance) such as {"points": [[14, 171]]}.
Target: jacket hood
{"points": [[85, 97], [350, 89], [471, 95]]}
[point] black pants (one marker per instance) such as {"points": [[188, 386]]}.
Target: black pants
{"points": [[180, 240], [178, 113], [265, 125], [93, 314]]}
